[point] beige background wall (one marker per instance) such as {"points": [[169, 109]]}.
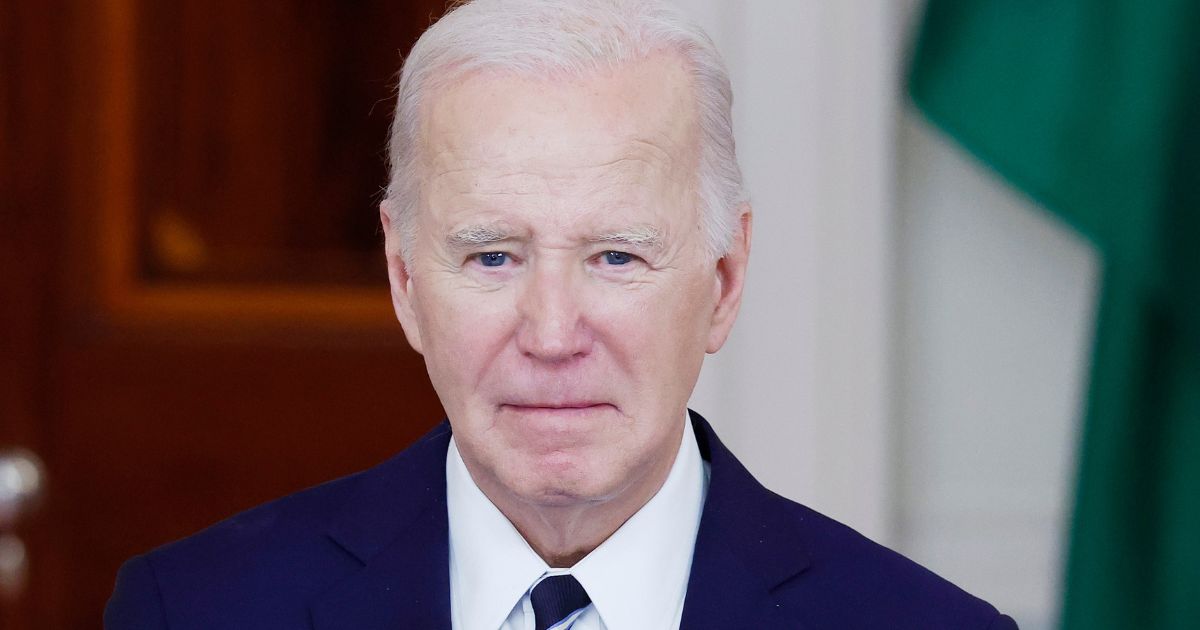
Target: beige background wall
{"points": [[910, 356]]}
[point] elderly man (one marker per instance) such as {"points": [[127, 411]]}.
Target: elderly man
{"points": [[566, 238]]}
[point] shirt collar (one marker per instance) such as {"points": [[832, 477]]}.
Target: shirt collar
{"points": [[637, 578], [491, 565]]}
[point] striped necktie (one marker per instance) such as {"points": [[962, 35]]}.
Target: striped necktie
{"points": [[555, 598]]}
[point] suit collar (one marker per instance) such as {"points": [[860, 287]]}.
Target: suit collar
{"points": [[393, 495], [746, 547], [395, 524]]}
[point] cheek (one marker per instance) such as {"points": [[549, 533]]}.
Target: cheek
{"points": [[463, 333], [658, 327]]}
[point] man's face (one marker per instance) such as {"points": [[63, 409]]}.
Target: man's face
{"points": [[559, 285]]}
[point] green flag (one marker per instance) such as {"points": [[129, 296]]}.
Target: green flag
{"points": [[1092, 108]]}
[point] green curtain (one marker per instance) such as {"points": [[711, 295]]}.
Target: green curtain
{"points": [[1092, 108]]}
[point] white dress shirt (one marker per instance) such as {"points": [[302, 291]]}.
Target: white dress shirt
{"points": [[637, 579]]}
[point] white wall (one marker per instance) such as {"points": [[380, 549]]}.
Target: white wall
{"points": [[909, 357], [801, 391], [996, 313]]}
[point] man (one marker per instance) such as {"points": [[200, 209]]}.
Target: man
{"points": [[567, 237]]}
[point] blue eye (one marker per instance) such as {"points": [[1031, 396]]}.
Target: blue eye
{"points": [[618, 258], [492, 259]]}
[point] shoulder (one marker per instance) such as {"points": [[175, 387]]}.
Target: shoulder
{"points": [[295, 523], [821, 573], [854, 582], [257, 569], [265, 559]]}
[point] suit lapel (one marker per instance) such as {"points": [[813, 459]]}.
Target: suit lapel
{"points": [[746, 546], [395, 524]]}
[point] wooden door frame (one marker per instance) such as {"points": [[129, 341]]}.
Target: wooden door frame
{"points": [[68, 273], [117, 295], [37, 46]]}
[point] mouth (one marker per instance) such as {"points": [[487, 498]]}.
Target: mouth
{"points": [[554, 427], [552, 407]]}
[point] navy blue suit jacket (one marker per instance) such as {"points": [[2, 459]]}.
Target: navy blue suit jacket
{"points": [[370, 552]]}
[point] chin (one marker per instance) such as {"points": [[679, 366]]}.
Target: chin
{"points": [[563, 482]]}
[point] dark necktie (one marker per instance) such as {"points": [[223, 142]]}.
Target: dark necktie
{"points": [[555, 598]]}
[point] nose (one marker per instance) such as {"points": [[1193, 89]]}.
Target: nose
{"points": [[553, 326]]}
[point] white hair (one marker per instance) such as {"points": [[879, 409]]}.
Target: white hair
{"points": [[570, 38]]}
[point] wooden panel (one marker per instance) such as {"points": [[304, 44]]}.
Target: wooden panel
{"points": [[260, 128], [164, 395], [243, 156], [32, 201]]}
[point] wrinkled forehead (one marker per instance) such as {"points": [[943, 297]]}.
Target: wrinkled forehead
{"points": [[641, 114]]}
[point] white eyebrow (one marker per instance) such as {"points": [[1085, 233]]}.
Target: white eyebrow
{"points": [[474, 236], [646, 236]]}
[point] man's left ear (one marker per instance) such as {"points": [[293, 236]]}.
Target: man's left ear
{"points": [[731, 277]]}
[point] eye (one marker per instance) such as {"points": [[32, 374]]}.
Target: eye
{"points": [[617, 258], [492, 259]]}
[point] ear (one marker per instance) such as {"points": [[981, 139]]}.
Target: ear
{"points": [[731, 277], [399, 277]]}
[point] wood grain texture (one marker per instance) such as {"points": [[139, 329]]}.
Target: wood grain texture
{"points": [[163, 396]]}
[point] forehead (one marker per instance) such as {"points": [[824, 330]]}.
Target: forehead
{"points": [[631, 129]]}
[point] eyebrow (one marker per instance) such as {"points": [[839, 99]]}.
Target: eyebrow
{"points": [[645, 236], [473, 236], [476, 235]]}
